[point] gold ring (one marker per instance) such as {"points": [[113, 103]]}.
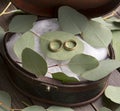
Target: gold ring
{"points": [[68, 47], [52, 45]]}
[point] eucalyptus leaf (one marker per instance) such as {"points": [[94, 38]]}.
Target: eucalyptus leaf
{"points": [[113, 93], [71, 21], [33, 62], [113, 26], [82, 63], [22, 23], [105, 68], [34, 108], [63, 77], [118, 109], [113, 19], [25, 41], [100, 20], [109, 25], [114, 23], [5, 100], [2, 32], [116, 44], [62, 54], [97, 34], [59, 108], [104, 109]]}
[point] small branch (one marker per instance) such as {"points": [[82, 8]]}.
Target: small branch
{"points": [[13, 11], [2, 13], [26, 104], [109, 16], [57, 65]]}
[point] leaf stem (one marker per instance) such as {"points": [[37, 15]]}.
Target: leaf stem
{"points": [[110, 15], [13, 11], [57, 65], [26, 104], [9, 4]]}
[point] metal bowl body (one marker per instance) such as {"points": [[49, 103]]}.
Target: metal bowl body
{"points": [[90, 8], [49, 90]]}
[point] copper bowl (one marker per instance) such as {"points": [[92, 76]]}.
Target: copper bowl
{"points": [[90, 8], [49, 90]]}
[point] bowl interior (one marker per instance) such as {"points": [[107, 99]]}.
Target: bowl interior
{"points": [[90, 8]]}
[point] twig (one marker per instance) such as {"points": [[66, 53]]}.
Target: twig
{"points": [[2, 13], [26, 104], [110, 15], [13, 11]]}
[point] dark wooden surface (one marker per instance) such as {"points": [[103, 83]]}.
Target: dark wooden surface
{"points": [[18, 98]]}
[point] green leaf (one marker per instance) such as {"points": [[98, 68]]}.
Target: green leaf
{"points": [[109, 25], [34, 108], [116, 44], [113, 93], [2, 32], [97, 34], [118, 109], [63, 37], [114, 23], [81, 63], [33, 62], [63, 77], [25, 41], [58, 108], [105, 109], [71, 21], [105, 68], [22, 23], [5, 100], [114, 26], [100, 20], [113, 19]]}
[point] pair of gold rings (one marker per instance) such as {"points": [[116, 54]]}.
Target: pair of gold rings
{"points": [[57, 45]]}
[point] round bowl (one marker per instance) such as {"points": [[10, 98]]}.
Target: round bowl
{"points": [[49, 90], [90, 8]]}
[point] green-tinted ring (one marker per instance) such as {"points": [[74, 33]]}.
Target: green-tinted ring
{"points": [[50, 46], [66, 47]]}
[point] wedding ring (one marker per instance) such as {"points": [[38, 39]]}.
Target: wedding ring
{"points": [[52, 45], [70, 45]]}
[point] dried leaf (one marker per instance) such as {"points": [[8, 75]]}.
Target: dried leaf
{"points": [[105, 68], [71, 21], [33, 62], [116, 44], [34, 108], [22, 23], [59, 108], [113, 93], [25, 41], [82, 63], [62, 54], [63, 77], [97, 35], [5, 100]]}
